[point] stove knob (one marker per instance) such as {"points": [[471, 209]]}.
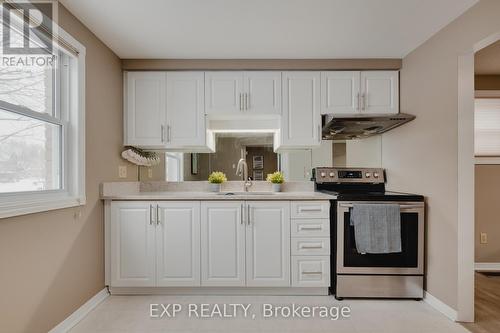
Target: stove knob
{"points": [[332, 174], [368, 175], [323, 175], [375, 174]]}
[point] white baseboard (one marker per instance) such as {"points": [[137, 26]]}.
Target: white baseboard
{"points": [[487, 266], [437, 304], [80, 313]]}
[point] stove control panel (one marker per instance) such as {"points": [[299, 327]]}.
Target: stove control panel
{"points": [[349, 175]]}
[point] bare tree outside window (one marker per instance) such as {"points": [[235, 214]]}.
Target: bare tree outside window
{"points": [[30, 145]]}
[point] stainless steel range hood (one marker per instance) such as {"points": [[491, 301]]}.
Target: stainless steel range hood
{"points": [[336, 127]]}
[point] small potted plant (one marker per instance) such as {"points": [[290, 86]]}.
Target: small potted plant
{"points": [[276, 178], [215, 179]]}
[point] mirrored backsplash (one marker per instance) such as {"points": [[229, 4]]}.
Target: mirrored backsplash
{"points": [[257, 150]]}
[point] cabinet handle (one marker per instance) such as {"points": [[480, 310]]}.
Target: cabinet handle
{"points": [[246, 101], [358, 102], [242, 214], [157, 214], [363, 99], [249, 214], [311, 246], [151, 214], [309, 209], [312, 272], [169, 132], [162, 133], [319, 133], [241, 102], [309, 227]]}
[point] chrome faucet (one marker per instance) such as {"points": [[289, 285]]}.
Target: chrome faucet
{"points": [[242, 170]]}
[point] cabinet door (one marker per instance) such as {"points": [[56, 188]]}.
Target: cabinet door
{"points": [[223, 92], [263, 92], [222, 244], [185, 110], [340, 92], [132, 244], [268, 244], [380, 92], [301, 120], [144, 108], [178, 244]]}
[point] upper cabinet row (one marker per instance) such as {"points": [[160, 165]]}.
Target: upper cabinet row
{"points": [[168, 109]]}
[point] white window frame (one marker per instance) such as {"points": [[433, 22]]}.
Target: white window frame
{"points": [[72, 193]]}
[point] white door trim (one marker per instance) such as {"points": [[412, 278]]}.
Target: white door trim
{"points": [[465, 181], [465, 163], [81, 312]]}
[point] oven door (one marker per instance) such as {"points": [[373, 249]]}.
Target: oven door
{"points": [[409, 261]]}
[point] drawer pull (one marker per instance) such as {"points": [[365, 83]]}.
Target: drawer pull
{"points": [[312, 272], [310, 209], [310, 227], [311, 246]]}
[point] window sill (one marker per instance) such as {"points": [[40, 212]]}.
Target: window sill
{"points": [[23, 207]]}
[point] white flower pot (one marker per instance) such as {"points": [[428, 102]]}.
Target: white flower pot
{"points": [[276, 187], [214, 187]]}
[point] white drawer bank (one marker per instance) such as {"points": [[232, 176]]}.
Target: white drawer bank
{"points": [[275, 247]]}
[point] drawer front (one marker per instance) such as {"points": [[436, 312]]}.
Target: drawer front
{"points": [[310, 209], [310, 271], [310, 228], [310, 246]]}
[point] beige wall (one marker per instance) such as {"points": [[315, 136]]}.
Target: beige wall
{"points": [[487, 212], [421, 156], [52, 262]]}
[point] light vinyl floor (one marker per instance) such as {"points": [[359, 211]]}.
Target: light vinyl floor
{"points": [[130, 314]]}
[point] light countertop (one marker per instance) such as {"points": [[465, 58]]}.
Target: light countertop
{"points": [[218, 196], [148, 191]]}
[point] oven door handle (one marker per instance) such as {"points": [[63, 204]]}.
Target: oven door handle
{"points": [[400, 206]]}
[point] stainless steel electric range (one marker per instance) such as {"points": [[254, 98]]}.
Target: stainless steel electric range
{"points": [[387, 275]]}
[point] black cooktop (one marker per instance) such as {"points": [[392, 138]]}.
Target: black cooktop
{"points": [[373, 196]]}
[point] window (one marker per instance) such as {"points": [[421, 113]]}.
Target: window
{"points": [[487, 127], [42, 129]]}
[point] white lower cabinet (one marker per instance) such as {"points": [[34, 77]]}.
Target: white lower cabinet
{"points": [[155, 244], [310, 246], [268, 244], [178, 244], [222, 243], [217, 244], [311, 271], [245, 243], [132, 247]]}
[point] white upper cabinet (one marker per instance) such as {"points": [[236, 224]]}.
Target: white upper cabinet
{"points": [[380, 92], [262, 92], [268, 244], [340, 92], [132, 244], [355, 92], [185, 120], [255, 92], [144, 108], [301, 119], [223, 92], [222, 243], [178, 244]]}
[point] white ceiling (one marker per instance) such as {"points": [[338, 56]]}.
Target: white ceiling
{"points": [[265, 28], [487, 60]]}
